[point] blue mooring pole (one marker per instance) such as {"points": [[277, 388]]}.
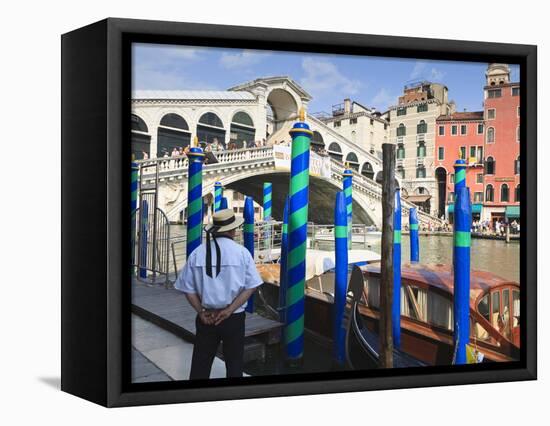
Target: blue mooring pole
{"points": [[461, 264], [283, 271], [223, 203], [143, 238], [413, 235], [396, 302], [248, 237], [340, 275]]}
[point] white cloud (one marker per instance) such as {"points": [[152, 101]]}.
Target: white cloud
{"points": [[422, 70], [383, 99], [322, 75], [241, 60]]}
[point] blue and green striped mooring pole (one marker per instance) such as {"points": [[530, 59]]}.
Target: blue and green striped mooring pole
{"points": [[194, 199], [297, 239], [461, 266], [248, 237], [460, 174], [413, 235], [218, 191], [396, 302], [267, 200], [283, 270], [347, 181], [340, 276]]}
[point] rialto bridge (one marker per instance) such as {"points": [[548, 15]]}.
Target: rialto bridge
{"points": [[245, 171]]}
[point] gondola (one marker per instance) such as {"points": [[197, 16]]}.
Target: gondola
{"points": [[362, 344]]}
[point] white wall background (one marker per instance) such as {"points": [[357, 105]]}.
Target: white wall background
{"points": [[30, 231]]}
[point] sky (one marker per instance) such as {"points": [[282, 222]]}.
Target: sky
{"points": [[329, 79]]}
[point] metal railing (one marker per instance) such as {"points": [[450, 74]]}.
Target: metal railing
{"points": [[362, 235]]}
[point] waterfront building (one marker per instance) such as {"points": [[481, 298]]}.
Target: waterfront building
{"points": [[363, 126], [459, 135], [413, 128], [502, 145]]}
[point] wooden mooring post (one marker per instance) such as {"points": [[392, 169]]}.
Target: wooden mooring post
{"points": [[386, 282]]}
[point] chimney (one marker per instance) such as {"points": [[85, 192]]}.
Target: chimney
{"points": [[347, 106]]}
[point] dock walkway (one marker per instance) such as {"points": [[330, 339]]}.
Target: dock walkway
{"points": [[169, 309]]}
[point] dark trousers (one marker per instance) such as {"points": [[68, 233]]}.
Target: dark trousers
{"points": [[231, 333]]}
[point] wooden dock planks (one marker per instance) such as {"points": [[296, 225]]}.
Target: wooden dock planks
{"points": [[169, 309]]}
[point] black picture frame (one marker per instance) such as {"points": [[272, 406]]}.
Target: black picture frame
{"points": [[95, 224]]}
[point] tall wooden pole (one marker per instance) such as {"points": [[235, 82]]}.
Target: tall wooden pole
{"points": [[386, 281]]}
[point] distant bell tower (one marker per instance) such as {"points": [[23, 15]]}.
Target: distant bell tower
{"points": [[497, 74]]}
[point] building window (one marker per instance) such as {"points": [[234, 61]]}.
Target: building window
{"points": [[463, 152], [479, 158], [451, 197], [489, 193], [401, 130], [516, 195], [480, 129], [441, 130], [454, 130], [420, 172], [491, 113], [385, 126], [441, 153], [422, 127], [515, 91], [490, 166], [473, 152], [372, 121], [401, 111], [518, 112], [463, 129], [421, 150], [451, 178], [422, 108], [516, 166], [490, 135], [400, 151], [494, 93], [478, 197], [353, 120], [479, 178], [504, 193], [517, 134], [337, 123], [401, 172]]}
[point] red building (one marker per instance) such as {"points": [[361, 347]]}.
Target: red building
{"points": [[459, 135], [501, 180]]}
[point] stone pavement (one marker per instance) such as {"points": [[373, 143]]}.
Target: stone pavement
{"points": [[162, 356]]}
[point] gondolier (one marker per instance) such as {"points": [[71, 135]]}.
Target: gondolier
{"points": [[218, 279]]}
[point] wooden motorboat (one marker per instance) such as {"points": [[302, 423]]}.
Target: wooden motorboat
{"points": [[426, 310]]}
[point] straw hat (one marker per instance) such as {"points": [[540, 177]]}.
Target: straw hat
{"points": [[224, 221]]}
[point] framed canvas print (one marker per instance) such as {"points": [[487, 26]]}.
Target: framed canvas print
{"points": [[253, 212]]}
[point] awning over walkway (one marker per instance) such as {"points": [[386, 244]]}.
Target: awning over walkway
{"points": [[476, 208], [512, 212]]}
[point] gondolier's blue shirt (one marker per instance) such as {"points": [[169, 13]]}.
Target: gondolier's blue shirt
{"points": [[237, 273]]}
